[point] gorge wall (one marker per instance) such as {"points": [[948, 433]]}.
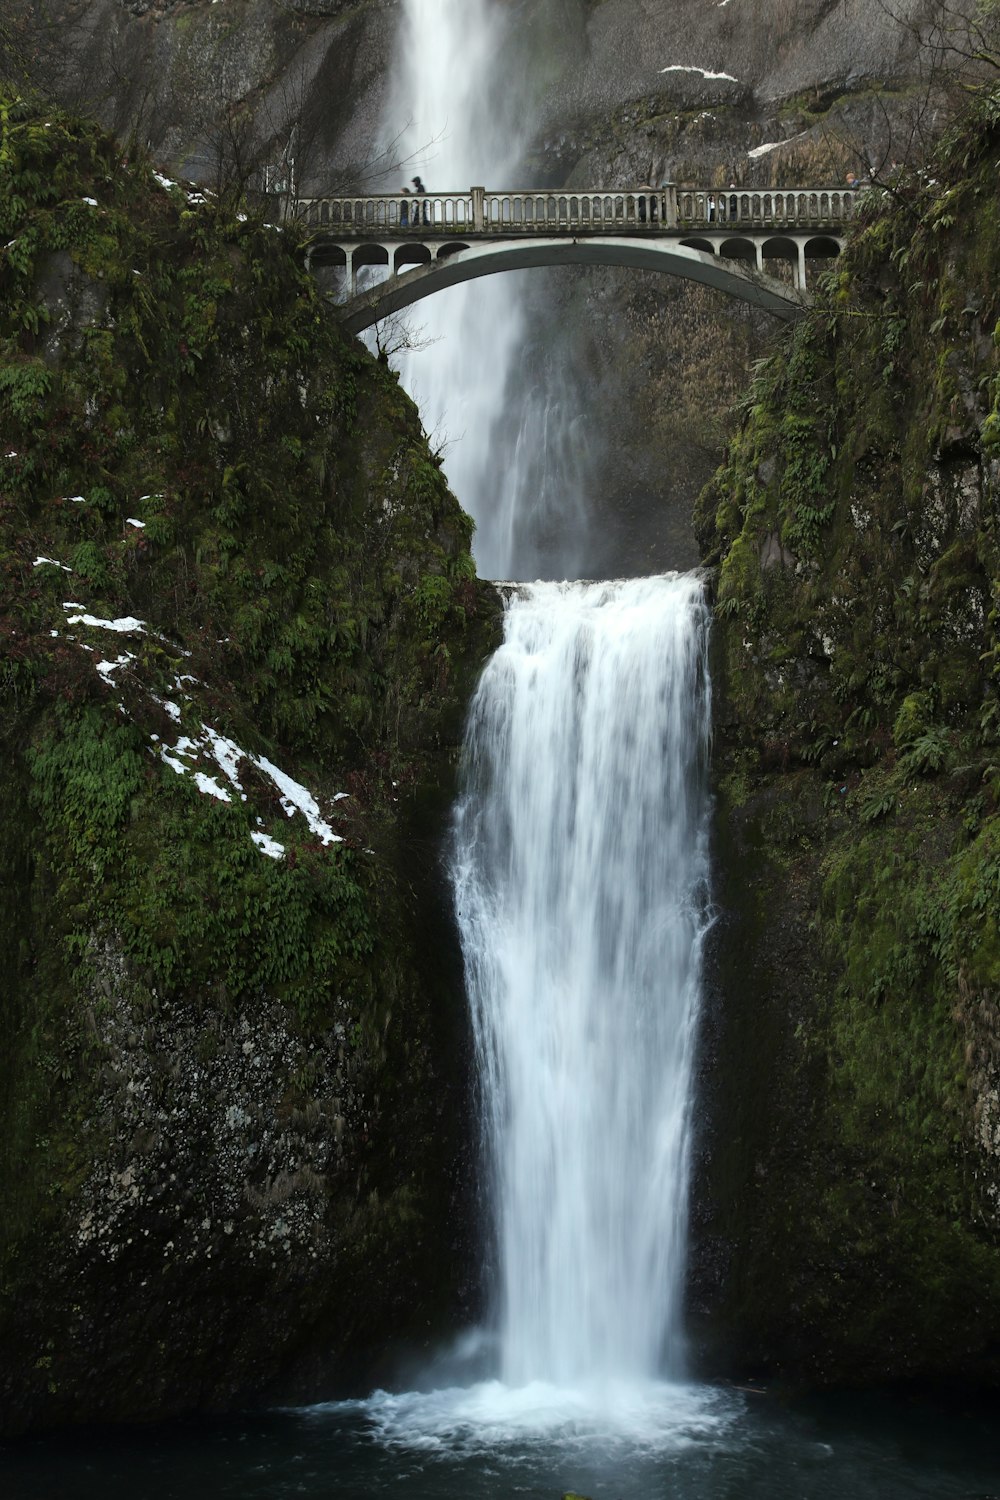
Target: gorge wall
{"points": [[851, 1213], [240, 622]]}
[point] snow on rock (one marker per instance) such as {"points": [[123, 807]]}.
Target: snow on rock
{"points": [[268, 846], [211, 786], [295, 796], [128, 625], [131, 521], [208, 743], [184, 746], [105, 669], [92, 202], [684, 68], [165, 182], [227, 756]]}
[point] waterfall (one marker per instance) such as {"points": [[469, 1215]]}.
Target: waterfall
{"points": [[579, 860], [467, 79], [580, 875]]}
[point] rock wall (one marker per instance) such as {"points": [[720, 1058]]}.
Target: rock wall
{"points": [[239, 621], [849, 1202]]}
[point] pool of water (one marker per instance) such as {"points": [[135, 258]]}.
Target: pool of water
{"points": [[484, 1441]]}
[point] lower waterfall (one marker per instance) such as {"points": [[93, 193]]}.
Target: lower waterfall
{"points": [[580, 875]]}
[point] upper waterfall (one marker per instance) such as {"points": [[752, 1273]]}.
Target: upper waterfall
{"points": [[460, 113]]}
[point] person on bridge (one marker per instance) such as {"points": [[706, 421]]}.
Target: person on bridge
{"points": [[419, 189], [404, 209]]}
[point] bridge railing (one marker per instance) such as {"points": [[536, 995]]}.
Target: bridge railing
{"points": [[789, 208], [352, 216], [526, 211], [531, 211]]}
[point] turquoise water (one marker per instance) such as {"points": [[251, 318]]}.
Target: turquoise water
{"points": [[711, 1444]]}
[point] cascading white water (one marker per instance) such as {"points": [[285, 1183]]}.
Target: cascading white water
{"points": [[580, 872], [579, 861], [460, 113]]}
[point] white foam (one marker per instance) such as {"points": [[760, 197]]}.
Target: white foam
{"points": [[648, 1417]]}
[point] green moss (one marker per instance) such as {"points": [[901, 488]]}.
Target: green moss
{"points": [[187, 431], [870, 908]]}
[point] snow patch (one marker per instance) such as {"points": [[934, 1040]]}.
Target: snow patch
{"points": [[227, 756], [39, 561], [105, 669], [131, 521], [211, 786], [705, 73], [127, 625], [268, 846], [91, 201], [293, 796]]}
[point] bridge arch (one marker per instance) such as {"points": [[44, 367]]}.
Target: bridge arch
{"points": [[782, 247], [822, 247], [740, 278], [411, 255], [739, 249], [373, 255]]}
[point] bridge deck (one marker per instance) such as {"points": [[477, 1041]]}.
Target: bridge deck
{"points": [[662, 211]]}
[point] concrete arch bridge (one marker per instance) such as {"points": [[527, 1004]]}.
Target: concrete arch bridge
{"points": [[725, 238]]}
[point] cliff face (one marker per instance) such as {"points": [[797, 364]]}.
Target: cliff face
{"points": [[850, 1177], [239, 621], [624, 91]]}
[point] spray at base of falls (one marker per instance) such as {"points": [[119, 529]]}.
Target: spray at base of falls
{"points": [[580, 872]]}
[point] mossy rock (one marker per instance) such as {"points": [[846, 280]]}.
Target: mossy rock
{"points": [[852, 1154], [241, 622]]}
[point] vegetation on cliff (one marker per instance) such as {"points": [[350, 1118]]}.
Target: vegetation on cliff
{"points": [[855, 528], [239, 615]]}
